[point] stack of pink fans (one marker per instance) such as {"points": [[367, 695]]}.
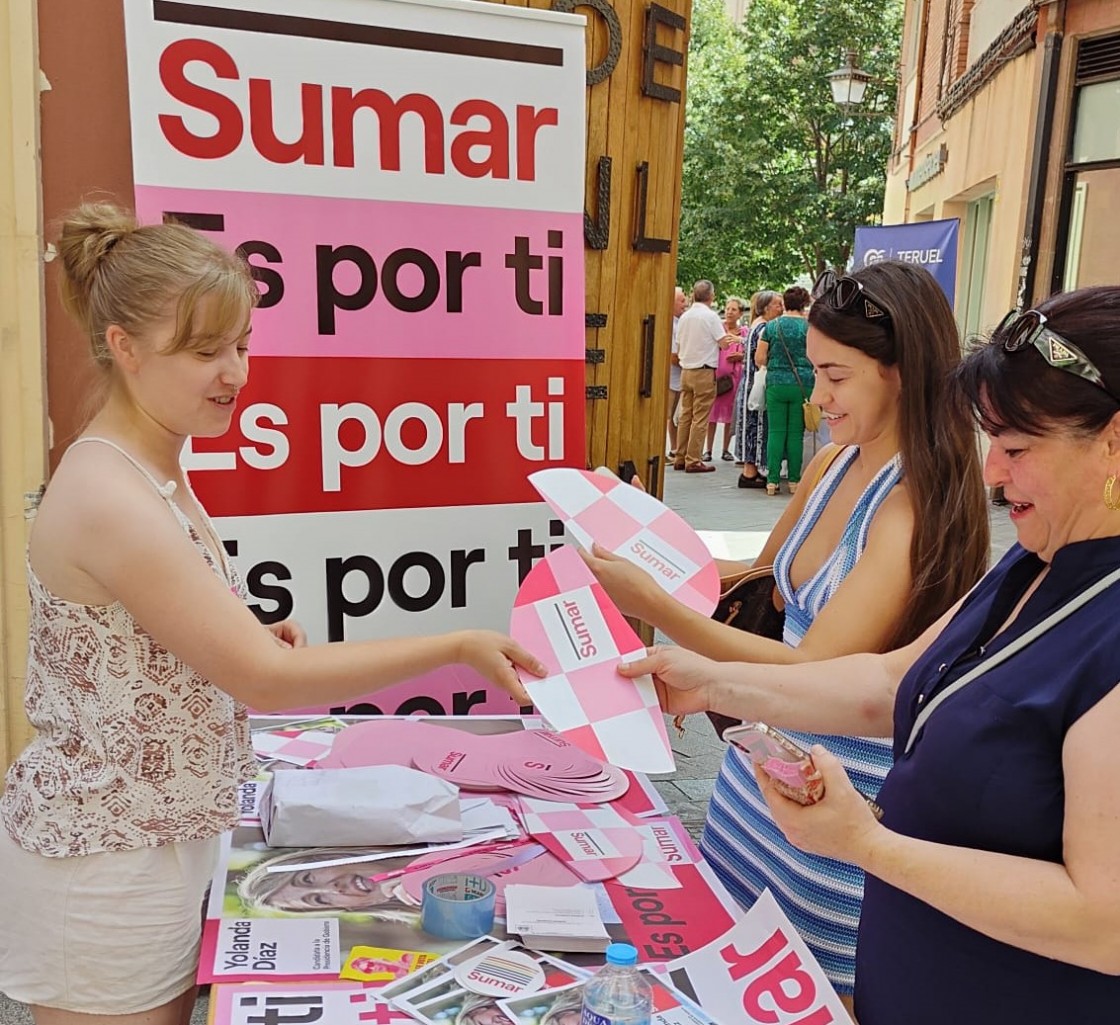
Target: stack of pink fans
{"points": [[531, 762]]}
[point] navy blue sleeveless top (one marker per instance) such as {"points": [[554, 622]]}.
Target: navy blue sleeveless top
{"points": [[986, 772]]}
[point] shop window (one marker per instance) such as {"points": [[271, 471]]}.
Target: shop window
{"points": [[1096, 133], [1091, 192], [1094, 210], [974, 265]]}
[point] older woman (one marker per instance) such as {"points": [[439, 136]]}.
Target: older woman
{"points": [[993, 879]]}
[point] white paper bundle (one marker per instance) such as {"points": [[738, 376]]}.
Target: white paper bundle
{"points": [[363, 807]]}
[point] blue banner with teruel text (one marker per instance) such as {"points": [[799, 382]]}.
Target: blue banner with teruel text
{"points": [[930, 244]]}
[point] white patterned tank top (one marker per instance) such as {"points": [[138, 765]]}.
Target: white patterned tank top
{"points": [[132, 747]]}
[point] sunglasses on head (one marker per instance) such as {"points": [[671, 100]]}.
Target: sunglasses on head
{"points": [[1020, 330], [842, 292]]}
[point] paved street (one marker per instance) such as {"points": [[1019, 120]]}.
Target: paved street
{"points": [[734, 523]]}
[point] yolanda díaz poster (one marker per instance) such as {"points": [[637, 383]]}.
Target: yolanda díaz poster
{"points": [[299, 921]]}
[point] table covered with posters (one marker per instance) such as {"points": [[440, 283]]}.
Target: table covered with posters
{"points": [[292, 916]]}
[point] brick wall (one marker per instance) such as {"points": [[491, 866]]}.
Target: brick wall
{"points": [[946, 59], [937, 21]]}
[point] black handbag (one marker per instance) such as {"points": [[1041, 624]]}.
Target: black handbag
{"points": [[748, 601], [724, 384]]}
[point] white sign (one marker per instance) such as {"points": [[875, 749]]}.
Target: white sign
{"points": [[286, 946], [760, 972]]}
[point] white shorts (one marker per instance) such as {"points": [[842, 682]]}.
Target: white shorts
{"points": [[111, 933]]}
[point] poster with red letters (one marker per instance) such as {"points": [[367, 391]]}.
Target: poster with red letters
{"points": [[759, 973], [406, 179]]}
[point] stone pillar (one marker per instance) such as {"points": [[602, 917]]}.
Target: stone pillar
{"points": [[23, 435]]}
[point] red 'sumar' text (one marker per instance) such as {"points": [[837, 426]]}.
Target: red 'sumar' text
{"points": [[484, 143]]}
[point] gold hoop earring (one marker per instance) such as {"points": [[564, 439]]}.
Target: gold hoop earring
{"points": [[1111, 499]]}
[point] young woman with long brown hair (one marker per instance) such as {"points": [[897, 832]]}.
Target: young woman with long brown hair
{"points": [[892, 534]]}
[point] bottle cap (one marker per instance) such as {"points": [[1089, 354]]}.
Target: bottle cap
{"points": [[622, 954]]}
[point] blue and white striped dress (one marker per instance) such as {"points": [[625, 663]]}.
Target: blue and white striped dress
{"points": [[747, 851]]}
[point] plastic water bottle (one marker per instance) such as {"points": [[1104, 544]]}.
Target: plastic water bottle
{"points": [[617, 994]]}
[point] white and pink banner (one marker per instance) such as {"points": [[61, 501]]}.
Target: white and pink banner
{"points": [[759, 973], [406, 179]]}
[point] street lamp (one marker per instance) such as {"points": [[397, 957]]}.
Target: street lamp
{"points": [[848, 83]]}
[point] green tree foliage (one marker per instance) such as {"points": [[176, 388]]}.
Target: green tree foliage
{"points": [[776, 176]]}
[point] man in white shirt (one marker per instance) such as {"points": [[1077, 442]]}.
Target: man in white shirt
{"points": [[674, 371], [700, 336]]}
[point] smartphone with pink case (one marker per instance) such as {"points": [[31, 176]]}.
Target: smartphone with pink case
{"points": [[789, 767]]}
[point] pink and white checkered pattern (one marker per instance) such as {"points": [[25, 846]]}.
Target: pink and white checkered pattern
{"points": [[564, 616], [636, 526], [300, 747], [664, 846], [597, 841]]}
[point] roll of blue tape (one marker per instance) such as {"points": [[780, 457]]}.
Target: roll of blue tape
{"points": [[455, 906]]}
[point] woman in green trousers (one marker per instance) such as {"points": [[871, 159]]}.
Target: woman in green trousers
{"points": [[789, 383]]}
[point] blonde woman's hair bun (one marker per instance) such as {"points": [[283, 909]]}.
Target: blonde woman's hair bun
{"points": [[118, 271], [89, 233]]}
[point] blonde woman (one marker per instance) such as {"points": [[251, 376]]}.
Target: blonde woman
{"points": [[481, 1010], [143, 653]]}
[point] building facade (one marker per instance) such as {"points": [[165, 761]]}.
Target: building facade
{"points": [[1009, 119], [1081, 199]]}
